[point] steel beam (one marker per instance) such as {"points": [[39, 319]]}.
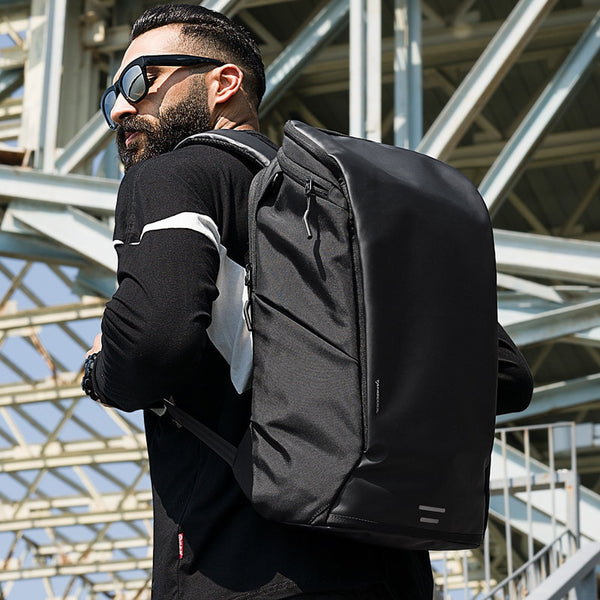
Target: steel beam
{"points": [[577, 573], [590, 338], [73, 519], [45, 390], [51, 314], [556, 149], [10, 80], [484, 77], [84, 145], [408, 77], [89, 281], [68, 458], [556, 397], [56, 13], [95, 282], [282, 72], [71, 228], [73, 570], [49, 506], [357, 69], [514, 157], [227, 7], [530, 288], [95, 195], [30, 247], [555, 324], [106, 545], [547, 257]]}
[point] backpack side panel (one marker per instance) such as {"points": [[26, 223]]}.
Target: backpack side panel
{"points": [[306, 425]]}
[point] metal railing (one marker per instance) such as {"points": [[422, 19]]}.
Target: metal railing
{"points": [[534, 518], [531, 574]]}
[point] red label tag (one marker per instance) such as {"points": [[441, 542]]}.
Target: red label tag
{"points": [[180, 539]]}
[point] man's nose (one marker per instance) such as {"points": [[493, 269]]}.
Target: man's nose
{"points": [[121, 109]]}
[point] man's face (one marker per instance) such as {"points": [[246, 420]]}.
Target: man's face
{"points": [[175, 106]]}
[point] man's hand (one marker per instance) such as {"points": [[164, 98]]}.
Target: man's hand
{"points": [[97, 345]]}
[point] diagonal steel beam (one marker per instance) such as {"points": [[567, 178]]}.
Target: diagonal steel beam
{"points": [[10, 80], [71, 228], [227, 7], [514, 157], [87, 142], [31, 247], [485, 76], [283, 71], [558, 396], [533, 255], [555, 324], [529, 287], [88, 193]]}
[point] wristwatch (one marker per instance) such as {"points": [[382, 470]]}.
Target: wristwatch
{"points": [[88, 383]]}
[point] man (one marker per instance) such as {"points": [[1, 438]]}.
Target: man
{"points": [[186, 70], [209, 543]]}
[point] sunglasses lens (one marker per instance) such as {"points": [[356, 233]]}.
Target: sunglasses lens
{"points": [[134, 84], [108, 101]]}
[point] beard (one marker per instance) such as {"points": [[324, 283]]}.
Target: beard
{"points": [[175, 123]]}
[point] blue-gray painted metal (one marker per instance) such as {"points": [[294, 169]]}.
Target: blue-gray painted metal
{"points": [[227, 7], [545, 483], [358, 69], [484, 77], [558, 396], [89, 193], [88, 140], [56, 12], [283, 71], [69, 227], [94, 282], [513, 159], [10, 80], [557, 323], [408, 75], [549, 257], [577, 573], [34, 248]]}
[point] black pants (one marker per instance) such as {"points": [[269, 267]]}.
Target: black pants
{"points": [[373, 592]]}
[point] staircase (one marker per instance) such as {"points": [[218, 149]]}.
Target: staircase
{"points": [[543, 537]]}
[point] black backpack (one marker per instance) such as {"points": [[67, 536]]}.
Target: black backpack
{"points": [[373, 307]]}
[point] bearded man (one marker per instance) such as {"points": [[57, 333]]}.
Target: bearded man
{"points": [[188, 70], [181, 218]]}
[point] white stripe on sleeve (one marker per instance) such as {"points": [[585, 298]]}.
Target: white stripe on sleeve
{"points": [[227, 331]]}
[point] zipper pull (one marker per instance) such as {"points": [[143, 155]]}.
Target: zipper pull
{"points": [[247, 307], [309, 192]]}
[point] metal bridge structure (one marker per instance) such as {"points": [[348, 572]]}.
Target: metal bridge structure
{"points": [[507, 91]]}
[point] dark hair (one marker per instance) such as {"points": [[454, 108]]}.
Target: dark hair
{"points": [[213, 35]]}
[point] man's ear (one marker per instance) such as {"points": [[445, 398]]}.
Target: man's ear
{"points": [[224, 82]]}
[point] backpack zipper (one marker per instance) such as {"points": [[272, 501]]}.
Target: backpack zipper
{"points": [[253, 202], [309, 192], [247, 305]]}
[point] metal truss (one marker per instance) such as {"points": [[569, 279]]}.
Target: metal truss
{"points": [[506, 91]]}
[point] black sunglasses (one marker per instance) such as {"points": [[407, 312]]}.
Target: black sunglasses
{"points": [[133, 82]]}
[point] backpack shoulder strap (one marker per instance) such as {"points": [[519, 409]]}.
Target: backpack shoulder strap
{"points": [[247, 146], [213, 440]]}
